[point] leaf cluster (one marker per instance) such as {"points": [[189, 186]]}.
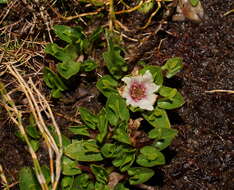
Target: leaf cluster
{"points": [[70, 57], [112, 140]]}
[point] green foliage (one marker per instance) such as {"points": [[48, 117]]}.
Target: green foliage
{"points": [[67, 182], [3, 1], [156, 72], [172, 98], [172, 66], [102, 126], [84, 150], [100, 173], [146, 7], [69, 167], [116, 110], [120, 186], [120, 133], [157, 118], [194, 3], [53, 81], [107, 85], [110, 141], [163, 137], [90, 119], [139, 175], [150, 157], [113, 59], [70, 64], [79, 130], [28, 180], [70, 35]]}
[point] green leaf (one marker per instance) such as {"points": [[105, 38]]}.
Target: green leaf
{"points": [[83, 182], [35, 144], [68, 69], [150, 157], [65, 141], [113, 59], [173, 66], [79, 130], [67, 182], [91, 39], [70, 52], [121, 134], [156, 72], [107, 85], [46, 173], [102, 126], [53, 81], [88, 118], [33, 132], [124, 160], [84, 150], [120, 186], [194, 3], [146, 7], [68, 34], [163, 137], [27, 180], [70, 167], [109, 150], [116, 110], [100, 186], [88, 65], [157, 118], [3, 1], [167, 92], [100, 173], [139, 175], [172, 102]]}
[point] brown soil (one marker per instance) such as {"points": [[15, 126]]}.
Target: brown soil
{"points": [[201, 156]]}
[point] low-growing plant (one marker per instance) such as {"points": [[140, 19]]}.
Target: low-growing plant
{"points": [[119, 146], [71, 56]]}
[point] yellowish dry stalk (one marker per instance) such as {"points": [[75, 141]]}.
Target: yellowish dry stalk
{"points": [[3, 179], [36, 106], [151, 16], [131, 9], [219, 90], [16, 116]]}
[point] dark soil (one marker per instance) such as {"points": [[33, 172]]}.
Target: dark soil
{"points": [[201, 156]]}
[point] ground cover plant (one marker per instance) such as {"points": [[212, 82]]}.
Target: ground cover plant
{"points": [[87, 99]]}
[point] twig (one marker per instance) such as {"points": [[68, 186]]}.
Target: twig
{"points": [[76, 16], [229, 12], [214, 91], [151, 16], [3, 178], [131, 9]]}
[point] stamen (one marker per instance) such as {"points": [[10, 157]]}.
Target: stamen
{"points": [[137, 91]]}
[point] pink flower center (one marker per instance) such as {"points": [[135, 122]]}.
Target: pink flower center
{"points": [[137, 91]]}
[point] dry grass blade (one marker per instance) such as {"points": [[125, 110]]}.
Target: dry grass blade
{"points": [[38, 104], [218, 91], [3, 179], [16, 116]]}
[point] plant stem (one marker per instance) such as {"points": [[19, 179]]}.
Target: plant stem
{"points": [[111, 15]]}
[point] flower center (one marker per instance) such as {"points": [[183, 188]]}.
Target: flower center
{"points": [[137, 91]]}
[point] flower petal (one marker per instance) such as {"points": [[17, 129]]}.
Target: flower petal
{"points": [[127, 80], [147, 77], [151, 88]]}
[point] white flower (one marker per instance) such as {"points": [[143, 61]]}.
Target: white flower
{"points": [[139, 91]]}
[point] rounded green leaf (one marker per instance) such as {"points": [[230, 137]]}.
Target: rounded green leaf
{"points": [[139, 175], [150, 157]]}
